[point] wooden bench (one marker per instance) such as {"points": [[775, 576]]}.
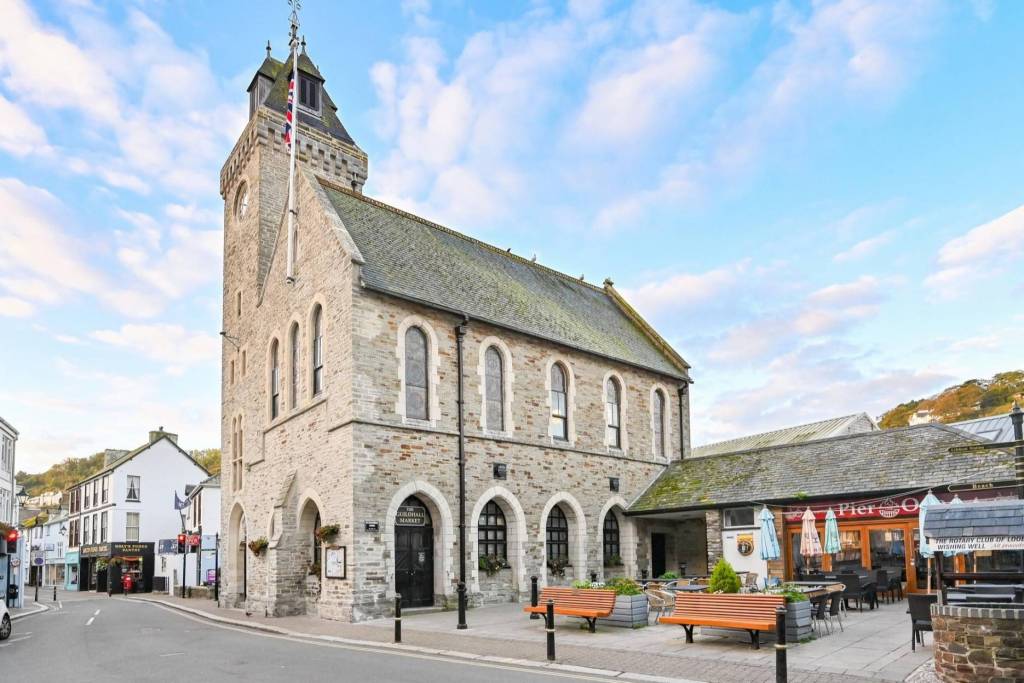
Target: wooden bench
{"points": [[754, 613], [588, 603]]}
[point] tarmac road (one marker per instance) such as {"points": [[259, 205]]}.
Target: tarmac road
{"points": [[114, 639]]}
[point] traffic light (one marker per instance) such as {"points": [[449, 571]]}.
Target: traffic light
{"points": [[181, 544], [12, 542]]}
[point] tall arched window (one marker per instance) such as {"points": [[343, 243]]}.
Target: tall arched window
{"points": [[236, 454], [318, 350], [416, 393], [559, 425], [293, 398], [612, 548], [557, 532], [275, 381], [491, 537], [659, 423], [494, 389], [613, 413]]}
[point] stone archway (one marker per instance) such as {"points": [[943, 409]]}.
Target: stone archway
{"points": [[237, 545], [443, 535], [627, 536], [577, 536], [515, 542]]}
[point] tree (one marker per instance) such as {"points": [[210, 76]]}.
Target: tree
{"points": [[724, 578], [209, 458]]}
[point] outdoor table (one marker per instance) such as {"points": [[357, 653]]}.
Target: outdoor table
{"points": [[689, 588]]}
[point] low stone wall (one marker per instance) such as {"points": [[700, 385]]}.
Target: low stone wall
{"points": [[978, 644], [496, 588]]}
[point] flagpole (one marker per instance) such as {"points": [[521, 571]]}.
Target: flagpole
{"points": [[294, 112]]}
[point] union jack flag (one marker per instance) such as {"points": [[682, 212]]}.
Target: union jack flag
{"points": [[288, 114]]}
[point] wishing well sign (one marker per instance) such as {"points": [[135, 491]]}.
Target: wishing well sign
{"points": [[949, 545]]}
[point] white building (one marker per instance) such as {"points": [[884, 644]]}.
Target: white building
{"points": [[131, 500], [202, 518], [53, 542], [8, 437]]}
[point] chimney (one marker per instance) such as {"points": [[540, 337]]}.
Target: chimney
{"points": [[160, 433], [112, 454]]}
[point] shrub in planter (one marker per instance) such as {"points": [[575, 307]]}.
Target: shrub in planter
{"points": [[327, 532], [491, 564], [669, 576], [624, 586], [557, 567], [724, 579], [258, 545], [581, 583]]}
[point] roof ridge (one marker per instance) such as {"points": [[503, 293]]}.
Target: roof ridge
{"points": [[455, 233], [781, 429]]}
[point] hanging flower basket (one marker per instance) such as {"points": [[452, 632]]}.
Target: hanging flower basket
{"points": [[258, 545], [327, 532]]}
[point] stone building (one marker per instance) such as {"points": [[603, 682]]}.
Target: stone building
{"points": [[340, 393]]}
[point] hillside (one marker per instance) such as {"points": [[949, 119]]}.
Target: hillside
{"points": [[974, 398], [64, 474]]}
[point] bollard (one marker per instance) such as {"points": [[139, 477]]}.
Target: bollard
{"points": [[534, 597], [593, 577], [398, 618], [55, 593], [781, 675], [550, 628], [461, 590]]}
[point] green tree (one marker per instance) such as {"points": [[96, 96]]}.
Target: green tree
{"points": [[208, 458], [724, 578]]}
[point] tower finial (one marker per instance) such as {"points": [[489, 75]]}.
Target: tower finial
{"points": [[303, 43], [268, 48]]}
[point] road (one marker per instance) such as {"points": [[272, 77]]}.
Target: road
{"points": [[113, 639]]}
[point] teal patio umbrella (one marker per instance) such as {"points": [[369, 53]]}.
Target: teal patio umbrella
{"points": [[769, 541], [923, 547], [831, 533]]}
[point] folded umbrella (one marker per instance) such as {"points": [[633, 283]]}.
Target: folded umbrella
{"points": [[769, 540], [832, 544], [810, 543]]}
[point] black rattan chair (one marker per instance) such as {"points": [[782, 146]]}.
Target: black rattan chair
{"points": [[854, 591], [920, 616]]}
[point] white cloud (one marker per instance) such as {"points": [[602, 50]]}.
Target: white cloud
{"points": [[68, 339], [863, 248], [13, 307], [981, 252], [865, 289], [685, 290], [165, 343], [19, 134]]}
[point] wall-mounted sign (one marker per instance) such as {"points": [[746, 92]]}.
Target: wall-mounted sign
{"points": [[211, 575], [334, 562], [977, 543], [167, 546], [411, 515], [95, 550], [500, 470], [371, 527], [745, 544], [887, 508]]}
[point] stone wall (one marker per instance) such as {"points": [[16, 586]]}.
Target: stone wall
{"points": [[978, 644], [713, 530]]}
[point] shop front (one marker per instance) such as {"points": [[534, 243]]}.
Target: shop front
{"points": [[877, 534], [71, 570], [103, 566]]}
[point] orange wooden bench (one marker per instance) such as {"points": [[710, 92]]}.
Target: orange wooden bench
{"points": [[752, 612], [588, 603]]}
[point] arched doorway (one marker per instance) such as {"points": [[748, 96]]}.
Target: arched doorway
{"points": [[238, 541], [414, 553]]}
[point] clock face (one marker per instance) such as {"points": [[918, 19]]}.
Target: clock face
{"points": [[242, 202]]}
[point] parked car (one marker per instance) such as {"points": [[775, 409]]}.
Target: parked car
{"points": [[5, 621]]}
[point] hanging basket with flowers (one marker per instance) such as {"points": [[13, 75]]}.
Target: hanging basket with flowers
{"points": [[327, 532], [258, 545]]}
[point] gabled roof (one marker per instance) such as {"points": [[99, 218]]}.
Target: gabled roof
{"points": [[884, 461], [209, 483], [823, 429], [996, 428], [129, 455], [411, 258], [277, 99], [981, 518]]}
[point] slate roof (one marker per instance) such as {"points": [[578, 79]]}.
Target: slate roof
{"points": [[996, 428], [873, 462], [823, 429], [982, 518], [409, 257], [128, 455], [277, 98]]}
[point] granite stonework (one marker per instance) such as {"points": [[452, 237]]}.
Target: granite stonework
{"points": [[347, 455], [978, 644]]}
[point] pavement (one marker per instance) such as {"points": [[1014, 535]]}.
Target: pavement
{"points": [[872, 645]]}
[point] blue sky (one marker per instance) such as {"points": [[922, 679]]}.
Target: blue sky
{"points": [[818, 203]]}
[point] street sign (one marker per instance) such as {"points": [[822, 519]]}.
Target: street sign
{"points": [[194, 539], [38, 561], [982, 447]]}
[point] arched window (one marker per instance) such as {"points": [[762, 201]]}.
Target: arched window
{"points": [[236, 454], [613, 413], [494, 389], [659, 423], [293, 398], [318, 350], [612, 549], [557, 535], [275, 381], [491, 532], [416, 394], [559, 425]]}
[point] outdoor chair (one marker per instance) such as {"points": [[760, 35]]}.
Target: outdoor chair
{"points": [[835, 604], [658, 602], [883, 585], [750, 581], [819, 613], [854, 591], [920, 616]]}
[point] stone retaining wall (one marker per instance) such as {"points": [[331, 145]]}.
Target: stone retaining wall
{"points": [[978, 644]]}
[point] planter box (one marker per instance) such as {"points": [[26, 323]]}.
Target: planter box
{"points": [[798, 627], [630, 612]]}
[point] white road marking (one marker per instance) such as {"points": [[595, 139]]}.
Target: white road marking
{"points": [[91, 619], [172, 654], [11, 641], [60, 604], [96, 613], [539, 669]]}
